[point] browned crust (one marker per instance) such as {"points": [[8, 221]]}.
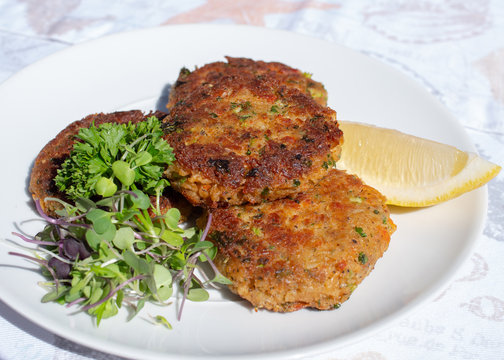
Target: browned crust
{"points": [[58, 149], [303, 252], [231, 147], [189, 81]]}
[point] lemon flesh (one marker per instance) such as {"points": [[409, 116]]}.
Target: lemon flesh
{"points": [[408, 170]]}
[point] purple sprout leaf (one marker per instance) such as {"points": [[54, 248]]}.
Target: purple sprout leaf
{"points": [[71, 248], [62, 269], [74, 248]]}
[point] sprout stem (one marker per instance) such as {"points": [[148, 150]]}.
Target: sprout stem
{"points": [[112, 292], [33, 241]]}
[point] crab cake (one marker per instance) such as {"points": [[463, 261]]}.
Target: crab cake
{"points": [[189, 81], [311, 250], [243, 137], [58, 149]]}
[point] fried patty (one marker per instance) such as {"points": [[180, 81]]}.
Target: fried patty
{"points": [[247, 136], [53, 154], [311, 250], [189, 81]]}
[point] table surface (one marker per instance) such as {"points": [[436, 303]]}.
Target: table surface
{"points": [[454, 48]]}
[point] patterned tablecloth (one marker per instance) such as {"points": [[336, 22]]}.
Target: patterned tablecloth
{"points": [[454, 48]]}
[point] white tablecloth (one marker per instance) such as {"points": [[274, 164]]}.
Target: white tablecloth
{"points": [[454, 48]]}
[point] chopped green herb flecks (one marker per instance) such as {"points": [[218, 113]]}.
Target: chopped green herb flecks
{"points": [[363, 259], [360, 231], [257, 231], [185, 71], [258, 215], [296, 182], [314, 93], [329, 163], [239, 107], [306, 138], [243, 110]]}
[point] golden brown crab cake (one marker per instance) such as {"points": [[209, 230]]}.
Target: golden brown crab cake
{"points": [[188, 81], [58, 149], [311, 250], [247, 139]]}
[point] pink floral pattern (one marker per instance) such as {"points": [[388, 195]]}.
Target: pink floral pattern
{"points": [[428, 21], [245, 11], [486, 307]]}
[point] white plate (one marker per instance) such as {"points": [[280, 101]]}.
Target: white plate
{"points": [[130, 70]]}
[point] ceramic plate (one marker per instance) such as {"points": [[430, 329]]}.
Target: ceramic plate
{"points": [[130, 70]]}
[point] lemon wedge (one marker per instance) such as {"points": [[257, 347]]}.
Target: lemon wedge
{"points": [[408, 170]]}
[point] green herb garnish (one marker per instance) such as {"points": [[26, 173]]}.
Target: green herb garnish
{"points": [[114, 156], [110, 253], [161, 320], [113, 247]]}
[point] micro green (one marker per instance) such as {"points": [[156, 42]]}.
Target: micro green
{"points": [[102, 270]]}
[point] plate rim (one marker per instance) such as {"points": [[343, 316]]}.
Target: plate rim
{"points": [[318, 348]]}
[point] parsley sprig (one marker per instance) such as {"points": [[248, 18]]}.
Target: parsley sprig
{"points": [[114, 156]]}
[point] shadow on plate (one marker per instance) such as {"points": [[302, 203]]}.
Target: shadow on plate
{"points": [[396, 210], [46, 336], [163, 98]]}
